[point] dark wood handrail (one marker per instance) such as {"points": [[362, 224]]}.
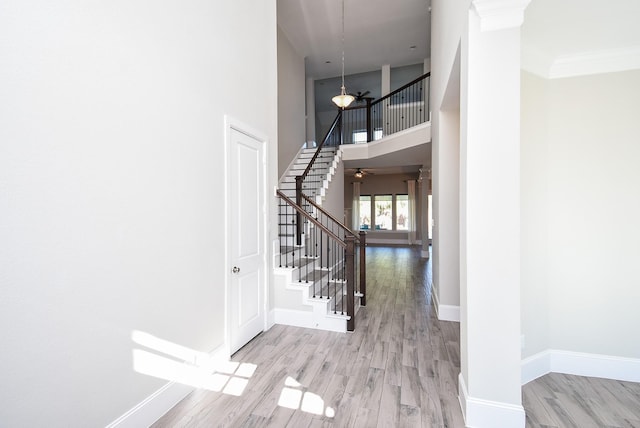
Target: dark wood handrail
{"points": [[309, 217], [315, 155], [342, 226], [300, 178], [402, 88]]}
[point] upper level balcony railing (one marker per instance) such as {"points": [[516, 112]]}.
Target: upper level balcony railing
{"points": [[403, 108]]}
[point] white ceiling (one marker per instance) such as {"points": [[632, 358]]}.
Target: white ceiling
{"points": [[382, 31], [569, 27], [405, 161], [591, 36], [377, 32]]}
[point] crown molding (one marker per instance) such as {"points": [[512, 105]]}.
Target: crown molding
{"points": [[500, 14], [580, 64], [608, 61]]}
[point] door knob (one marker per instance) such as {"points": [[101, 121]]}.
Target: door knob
{"points": [[235, 269]]}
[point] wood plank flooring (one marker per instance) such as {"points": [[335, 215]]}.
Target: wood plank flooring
{"points": [[560, 400], [398, 369]]}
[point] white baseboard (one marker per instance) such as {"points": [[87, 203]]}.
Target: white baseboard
{"points": [[160, 402], [153, 407], [271, 319], [317, 319], [580, 364], [535, 366], [293, 317], [382, 241], [486, 413], [445, 312]]}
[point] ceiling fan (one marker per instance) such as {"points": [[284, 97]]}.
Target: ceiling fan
{"points": [[360, 173], [361, 96]]}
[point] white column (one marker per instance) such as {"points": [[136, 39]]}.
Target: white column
{"points": [[490, 390], [310, 118], [446, 207], [386, 80], [426, 215]]}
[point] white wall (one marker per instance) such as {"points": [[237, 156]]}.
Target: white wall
{"points": [[476, 194], [534, 214], [447, 28], [334, 199], [490, 217], [587, 235], [448, 21], [291, 103], [111, 203]]}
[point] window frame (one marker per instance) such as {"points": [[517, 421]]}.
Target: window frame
{"points": [[373, 226]]}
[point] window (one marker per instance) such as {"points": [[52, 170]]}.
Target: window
{"points": [[402, 212], [388, 212], [383, 212], [365, 212], [361, 136]]}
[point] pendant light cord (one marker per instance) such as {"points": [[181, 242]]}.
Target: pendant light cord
{"points": [[343, 100], [343, 89]]}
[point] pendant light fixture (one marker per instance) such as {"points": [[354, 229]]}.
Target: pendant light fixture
{"points": [[343, 100]]}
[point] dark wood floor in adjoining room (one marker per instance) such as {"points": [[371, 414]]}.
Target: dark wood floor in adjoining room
{"points": [[399, 369]]}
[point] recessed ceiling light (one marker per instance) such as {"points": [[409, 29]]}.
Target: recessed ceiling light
{"points": [[412, 48], [327, 62]]}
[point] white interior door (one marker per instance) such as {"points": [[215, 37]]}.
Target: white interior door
{"points": [[246, 237]]}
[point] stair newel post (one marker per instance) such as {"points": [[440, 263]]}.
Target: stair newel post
{"points": [[369, 124], [350, 256], [298, 216], [363, 270]]}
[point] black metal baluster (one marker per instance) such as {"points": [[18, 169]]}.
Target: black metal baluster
{"points": [[315, 258], [280, 235], [328, 267], [295, 226], [342, 282], [335, 283]]}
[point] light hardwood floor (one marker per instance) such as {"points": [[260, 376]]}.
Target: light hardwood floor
{"points": [[399, 369], [560, 400]]}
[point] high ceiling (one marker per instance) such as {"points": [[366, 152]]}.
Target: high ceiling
{"points": [[586, 35], [570, 27], [377, 32], [383, 32], [397, 32]]}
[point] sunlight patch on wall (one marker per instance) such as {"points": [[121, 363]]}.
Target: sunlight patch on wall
{"points": [[177, 363]]}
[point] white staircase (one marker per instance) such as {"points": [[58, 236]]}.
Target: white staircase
{"points": [[297, 265], [317, 182]]}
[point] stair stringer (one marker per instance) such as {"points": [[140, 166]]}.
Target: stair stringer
{"points": [[320, 315]]}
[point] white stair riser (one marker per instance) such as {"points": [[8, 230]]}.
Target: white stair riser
{"points": [[315, 186]]}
